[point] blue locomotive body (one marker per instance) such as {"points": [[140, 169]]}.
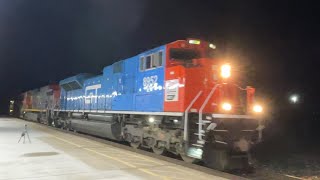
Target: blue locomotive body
{"points": [[124, 86]]}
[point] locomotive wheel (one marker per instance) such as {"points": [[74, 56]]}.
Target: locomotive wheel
{"points": [[135, 145], [135, 142], [49, 121], [159, 151], [188, 159], [55, 123], [159, 148]]}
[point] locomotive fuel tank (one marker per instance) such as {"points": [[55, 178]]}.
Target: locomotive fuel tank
{"points": [[111, 129], [100, 117]]}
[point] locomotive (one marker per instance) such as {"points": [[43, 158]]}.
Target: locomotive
{"points": [[174, 98]]}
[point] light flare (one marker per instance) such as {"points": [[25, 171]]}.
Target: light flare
{"points": [[226, 106], [257, 108], [225, 71]]}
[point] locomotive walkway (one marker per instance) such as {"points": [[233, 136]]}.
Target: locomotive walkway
{"points": [[53, 154]]}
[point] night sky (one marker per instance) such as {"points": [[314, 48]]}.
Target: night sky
{"points": [[277, 43]]}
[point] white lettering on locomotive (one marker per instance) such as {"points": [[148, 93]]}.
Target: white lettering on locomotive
{"points": [[172, 90], [91, 93], [150, 83]]}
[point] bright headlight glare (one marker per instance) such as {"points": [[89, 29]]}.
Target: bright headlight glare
{"points": [[225, 71], [151, 119], [257, 108], [194, 41], [212, 46], [226, 106]]}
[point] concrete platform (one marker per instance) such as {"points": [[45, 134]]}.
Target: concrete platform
{"points": [[57, 155]]}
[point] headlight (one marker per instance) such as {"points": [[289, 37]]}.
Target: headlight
{"points": [[225, 71], [151, 119], [212, 46], [257, 108], [194, 41], [226, 106]]}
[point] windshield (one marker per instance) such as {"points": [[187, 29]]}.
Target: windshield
{"points": [[210, 53], [184, 54]]}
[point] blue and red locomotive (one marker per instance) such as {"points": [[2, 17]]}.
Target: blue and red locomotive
{"points": [[172, 98]]}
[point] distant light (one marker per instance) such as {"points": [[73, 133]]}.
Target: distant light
{"points": [[212, 46], [257, 108], [226, 71], [151, 119], [175, 121], [193, 41], [226, 106], [11, 110], [294, 98]]}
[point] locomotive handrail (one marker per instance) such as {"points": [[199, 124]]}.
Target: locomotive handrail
{"points": [[185, 135], [201, 109]]}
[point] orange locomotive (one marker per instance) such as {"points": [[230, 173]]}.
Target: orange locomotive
{"points": [[221, 120]]}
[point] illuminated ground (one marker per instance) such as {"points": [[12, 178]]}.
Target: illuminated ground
{"points": [[56, 155]]}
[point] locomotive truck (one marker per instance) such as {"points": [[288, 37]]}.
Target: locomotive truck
{"points": [[174, 98]]}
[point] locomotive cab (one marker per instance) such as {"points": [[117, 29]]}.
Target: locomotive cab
{"points": [[221, 119]]}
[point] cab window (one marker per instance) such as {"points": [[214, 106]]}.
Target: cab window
{"points": [[151, 61], [142, 64], [184, 54], [117, 67]]}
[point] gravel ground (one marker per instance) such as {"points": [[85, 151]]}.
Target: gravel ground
{"points": [[283, 158], [301, 166]]}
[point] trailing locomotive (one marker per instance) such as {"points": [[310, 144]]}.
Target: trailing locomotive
{"points": [[173, 98], [36, 103]]}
